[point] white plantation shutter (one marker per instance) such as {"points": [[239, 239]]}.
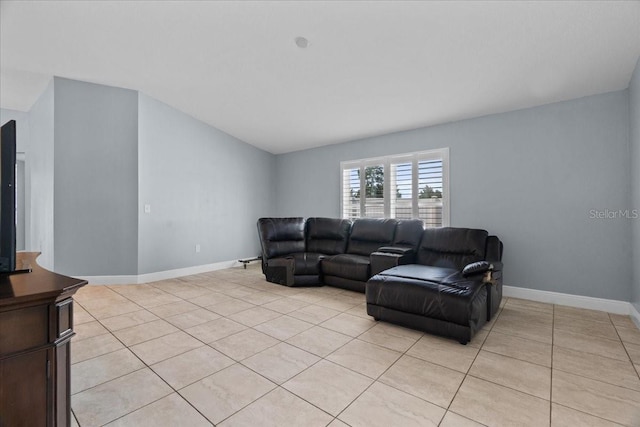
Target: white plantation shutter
{"points": [[430, 192], [401, 191], [374, 198], [413, 185], [351, 193]]}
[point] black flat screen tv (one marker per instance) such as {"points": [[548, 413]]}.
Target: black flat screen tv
{"points": [[8, 197]]}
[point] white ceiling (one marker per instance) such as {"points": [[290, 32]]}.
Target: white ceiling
{"points": [[371, 67]]}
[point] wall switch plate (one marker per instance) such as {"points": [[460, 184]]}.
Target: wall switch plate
{"points": [[147, 208], [198, 248]]}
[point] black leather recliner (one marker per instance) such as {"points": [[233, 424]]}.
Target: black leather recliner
{"points": [[325, 237], [452, 289], [352, 269], [292, 248], [279, 238]]}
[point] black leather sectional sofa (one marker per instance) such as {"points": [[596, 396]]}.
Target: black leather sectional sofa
{"points": [[446, 281]]}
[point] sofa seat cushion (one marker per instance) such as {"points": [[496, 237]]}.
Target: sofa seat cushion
{"points": [[428, 293], [306, 263], [426, 272], [348, 266]]}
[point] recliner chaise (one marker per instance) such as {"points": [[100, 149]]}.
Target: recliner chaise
{"points": [[452, 289]]}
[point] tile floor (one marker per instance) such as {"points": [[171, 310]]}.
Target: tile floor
{"points": [[228, 348]]}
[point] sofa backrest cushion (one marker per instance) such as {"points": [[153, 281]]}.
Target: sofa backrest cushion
{"points": [[328, 236], [452, 247], [368, 234], [408, 233], [281, 236]]}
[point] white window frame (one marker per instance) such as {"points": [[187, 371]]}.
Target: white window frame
{"points": [[413, 158]]}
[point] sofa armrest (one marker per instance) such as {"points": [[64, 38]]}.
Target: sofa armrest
{"points": [[476, 268], [491, 271], [280, 270], [480, 267], [381, 261], [494, 275], [496, 266], [398, 250]]}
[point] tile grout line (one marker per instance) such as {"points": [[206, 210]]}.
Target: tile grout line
{"points": [[466, 374], [588, 414], [235, 362], [506, 332], [151, 369], [405, 353], [633, 365], [324, 358], [321, 358], [146, 366], [379, 376], [582, 376], [597, 380], [352, 338], [177, 391], [276, 384]]}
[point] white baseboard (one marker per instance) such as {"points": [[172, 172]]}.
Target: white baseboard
{"points": [[601, 304], [160, 275], [110, 280]]}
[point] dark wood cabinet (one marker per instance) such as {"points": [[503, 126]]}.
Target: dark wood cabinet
{"points": [[36, 325]]}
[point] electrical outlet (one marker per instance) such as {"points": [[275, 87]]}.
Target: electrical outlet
{"points": [[198, 248]]}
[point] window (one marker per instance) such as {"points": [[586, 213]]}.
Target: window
{"points": [[414, 185]]}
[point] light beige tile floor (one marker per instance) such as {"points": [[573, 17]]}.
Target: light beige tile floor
{"points": [[228, 348]]}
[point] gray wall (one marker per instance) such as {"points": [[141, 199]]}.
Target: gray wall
{"points": [[40, 182], [204, 187], [96, 174], [530, 176], [634, 139], [23, 193], [106, 152]]}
